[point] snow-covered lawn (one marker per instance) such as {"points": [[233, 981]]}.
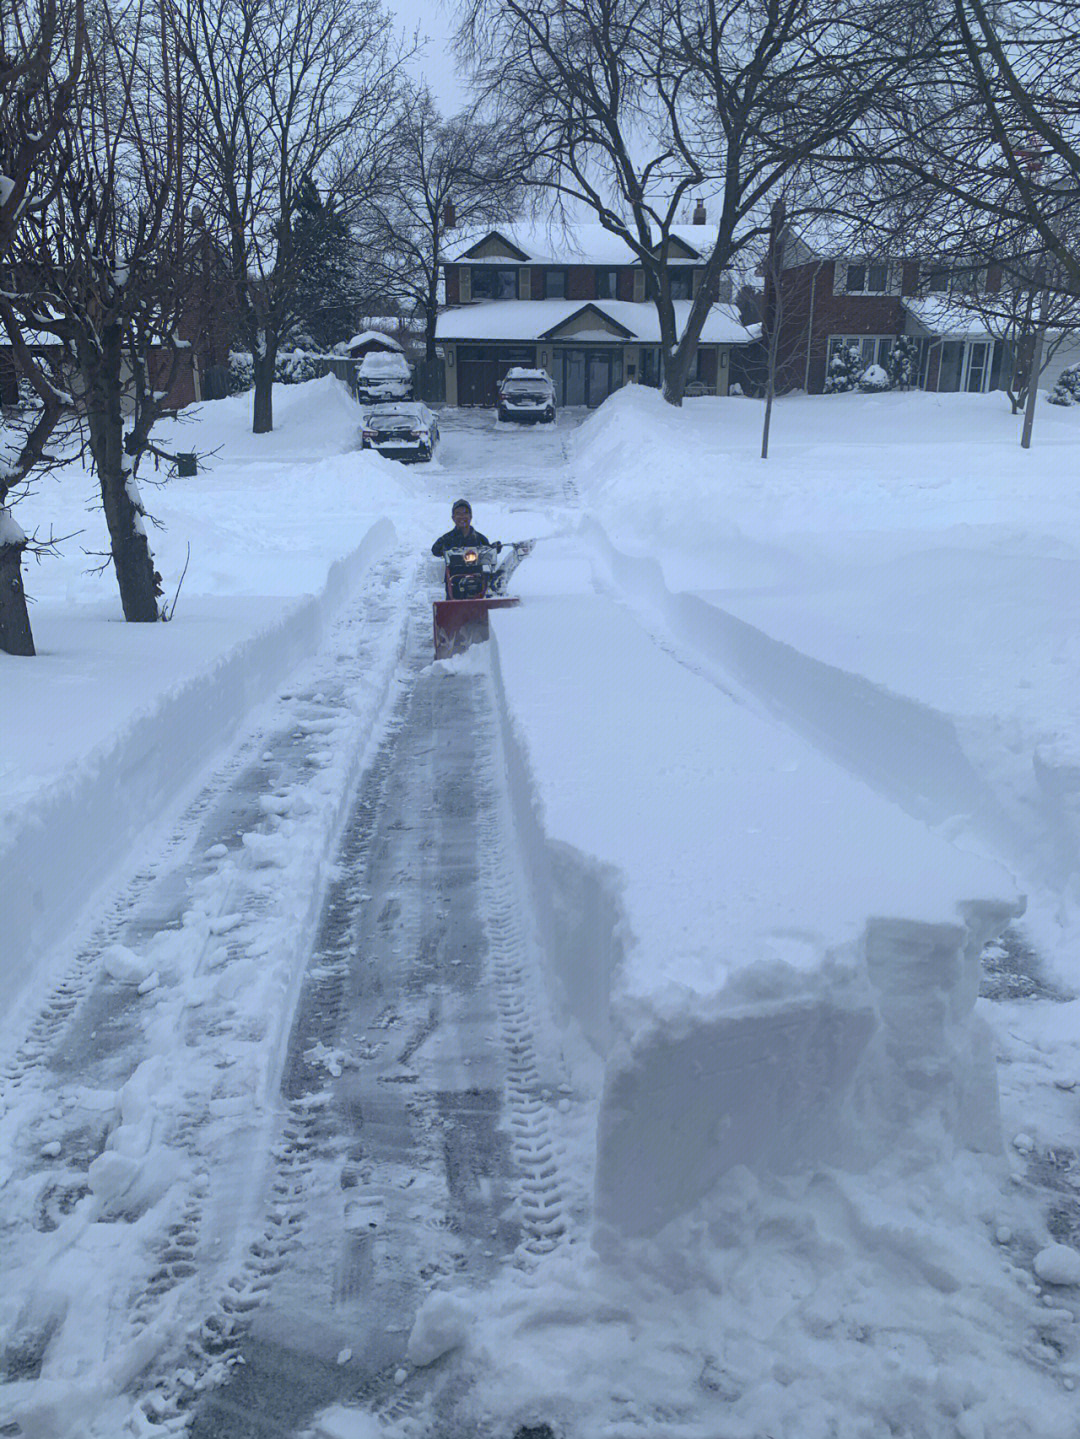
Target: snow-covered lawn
{"points": [[784, 742]]}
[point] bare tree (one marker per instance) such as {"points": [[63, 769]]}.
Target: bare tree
{"points": [[104, 268], [293, 94], [41, 56], [628, 106], [444, 174]]}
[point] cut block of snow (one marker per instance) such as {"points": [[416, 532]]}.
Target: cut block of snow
{"points": [[1058, 1264], [52, 1150], [442, 1324], [124, 965], [111, 1174]]}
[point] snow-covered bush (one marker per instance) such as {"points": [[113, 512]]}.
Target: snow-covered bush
{"points": [[903, 363], [845, 368], [241, 370], [873, 380], [1067, 389], [292, 367]]}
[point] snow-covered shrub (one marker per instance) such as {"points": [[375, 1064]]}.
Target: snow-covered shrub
{"points": [[292, 367], [903, 363], [845, 368], [241, 370], [873, 380], [1067, 389]]}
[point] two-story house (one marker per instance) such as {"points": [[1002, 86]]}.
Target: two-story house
{"points": [[572, 302], [828, 299]]}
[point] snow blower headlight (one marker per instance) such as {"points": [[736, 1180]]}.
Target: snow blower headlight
{"points": [[471, 557]]}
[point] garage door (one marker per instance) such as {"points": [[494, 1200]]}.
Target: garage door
{"points": [[481, 367]]}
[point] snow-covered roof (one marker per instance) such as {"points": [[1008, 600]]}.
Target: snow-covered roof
{"points": [[583, 244], [372, 337], [538, 319], [949, 319], [523, 372]]}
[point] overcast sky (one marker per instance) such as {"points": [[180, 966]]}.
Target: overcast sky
{"points": [[435, 21]]}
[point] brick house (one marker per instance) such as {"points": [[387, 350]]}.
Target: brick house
{"points": [[571, 302], [830, 299]]}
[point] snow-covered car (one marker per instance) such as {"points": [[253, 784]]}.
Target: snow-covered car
{"points": [[527, 396], [406, 430], [383, 375]]}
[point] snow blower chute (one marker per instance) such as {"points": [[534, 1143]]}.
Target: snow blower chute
{"points": [[474, 586]]}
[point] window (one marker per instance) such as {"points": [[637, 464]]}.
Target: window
{"points": [[682, 283], [955, 282], [607, 284], [863, 279], [554, 284], [872, 349], [493, 282]]}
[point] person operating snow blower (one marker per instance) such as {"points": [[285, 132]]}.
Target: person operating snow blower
{"points": [[474, 580]]}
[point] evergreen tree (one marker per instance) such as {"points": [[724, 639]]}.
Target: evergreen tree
{"points": [[845, 367], [903, 363], [1067, 389], [328, 290]]}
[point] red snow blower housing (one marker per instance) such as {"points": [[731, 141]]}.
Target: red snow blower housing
{"points": [[475, 579]]}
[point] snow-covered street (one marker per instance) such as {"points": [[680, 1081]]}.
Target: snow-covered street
{"points": [[658, 1021]]}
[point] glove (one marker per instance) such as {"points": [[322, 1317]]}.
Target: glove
{"points": [[498, 546]]}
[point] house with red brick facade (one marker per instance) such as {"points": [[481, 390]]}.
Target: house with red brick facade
{"points": [[827, 300], [571, 301]]}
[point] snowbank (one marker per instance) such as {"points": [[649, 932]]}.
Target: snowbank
{"points": [[741, 915], [61, 842], [108, 727]]}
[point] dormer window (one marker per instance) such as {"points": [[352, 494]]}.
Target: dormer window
{"points": [[864, 279]]}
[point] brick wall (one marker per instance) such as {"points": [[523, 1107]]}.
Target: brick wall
{"points": [[812, 312], [580, 282]]}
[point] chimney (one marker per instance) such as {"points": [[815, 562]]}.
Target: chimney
{"points": [[700, 217], [449, 216]]}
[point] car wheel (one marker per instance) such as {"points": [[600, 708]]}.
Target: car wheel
{"points": [[549, 415]]}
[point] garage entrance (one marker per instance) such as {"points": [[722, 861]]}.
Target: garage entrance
{"points": [[481, 367]]}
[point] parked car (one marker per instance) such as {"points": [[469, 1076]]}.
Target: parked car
{"points": [[405, 430], [383, 375], [527, 396]]}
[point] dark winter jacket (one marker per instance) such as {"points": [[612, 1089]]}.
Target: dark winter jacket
{"points": [[455, 539]]}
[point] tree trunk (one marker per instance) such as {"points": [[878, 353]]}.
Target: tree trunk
{"points": [[676, 369], [674, 358], [431, 312], [130, 548], [264, 358], [15, 634]]}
